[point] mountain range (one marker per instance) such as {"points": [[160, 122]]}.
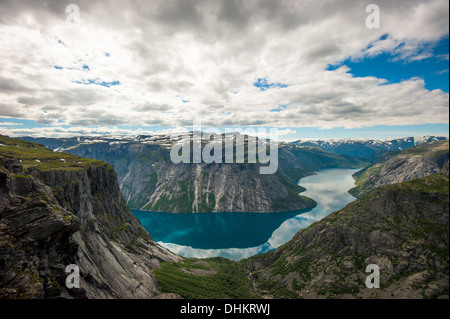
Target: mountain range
{"points": [[58, 209], [149, 180], [368, 148]]}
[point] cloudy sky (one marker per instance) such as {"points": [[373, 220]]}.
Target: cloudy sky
{"points": [[310, 68]]}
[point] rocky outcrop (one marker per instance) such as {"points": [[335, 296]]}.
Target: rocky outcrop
{"points": [[402, 228], [67, 210], [416, 162], [115, 253], [35, 232]]}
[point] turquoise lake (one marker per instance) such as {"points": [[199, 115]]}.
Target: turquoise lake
{"points": [[241, 235]]}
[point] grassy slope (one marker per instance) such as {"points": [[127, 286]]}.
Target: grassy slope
{"points": [[36, 155], [221, 279]]}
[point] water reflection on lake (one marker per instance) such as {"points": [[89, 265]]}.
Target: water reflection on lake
{"points": [[241, 235]]}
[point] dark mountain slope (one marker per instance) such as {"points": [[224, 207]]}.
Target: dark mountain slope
{"points": [[58, 209], [403, 228], [416, 162]]}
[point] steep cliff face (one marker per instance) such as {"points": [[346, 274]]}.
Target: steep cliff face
{"points": [[115, 255], [402, 228], [35, 231], [58, 209], [221, 187], [416, 162], [150, 181]]}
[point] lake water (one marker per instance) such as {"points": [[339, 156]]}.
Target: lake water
{"points": [[241, 235]]}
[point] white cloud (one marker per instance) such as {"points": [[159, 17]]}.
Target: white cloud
{"points": [[286, 132], [210, 53], [231, 253], [58, 131], [10, 124]]}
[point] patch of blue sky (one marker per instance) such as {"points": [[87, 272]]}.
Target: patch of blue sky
{"points": [[151, 128], [432, 67], [263, 84], [98, 82], [83, 67], [183, 99], [58, 67], [279, 108], [21, 123], [375, 132], [10, 121], [379, 132]]}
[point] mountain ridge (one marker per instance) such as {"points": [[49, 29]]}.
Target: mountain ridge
{"points": [[150, 181], [368, 148], [394, 167], [405, 232]]}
